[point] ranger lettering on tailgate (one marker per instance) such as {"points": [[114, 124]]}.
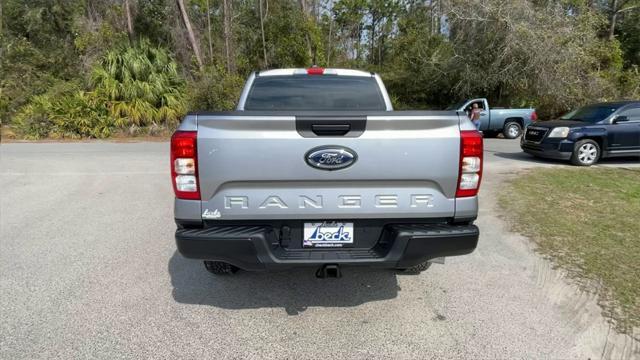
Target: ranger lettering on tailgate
{"points": [[316, 202]]}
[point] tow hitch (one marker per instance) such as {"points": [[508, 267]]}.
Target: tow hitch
{"points": [[329, 271]]}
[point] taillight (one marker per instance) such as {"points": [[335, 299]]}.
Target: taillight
{"points": [[184, 165], [315, 71], [534, 116], [470, 163]]}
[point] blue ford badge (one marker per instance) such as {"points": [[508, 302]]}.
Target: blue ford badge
{"points": [[330, 157]]}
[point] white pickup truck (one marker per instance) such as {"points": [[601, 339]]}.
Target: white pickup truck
{"points": [[315, 169]]}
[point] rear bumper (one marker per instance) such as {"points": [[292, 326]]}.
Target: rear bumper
{"points": [[560, 149], [260, 247]]}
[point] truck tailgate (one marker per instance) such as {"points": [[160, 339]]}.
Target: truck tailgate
{"points": [[252, 166]]}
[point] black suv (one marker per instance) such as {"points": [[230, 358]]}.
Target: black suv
{"points": [[587, 134]]}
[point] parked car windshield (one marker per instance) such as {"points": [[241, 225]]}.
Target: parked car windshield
{"points": [[316, 92], [591, 113]]}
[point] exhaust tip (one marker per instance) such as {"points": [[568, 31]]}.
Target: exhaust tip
{"points": [[329, 271]]}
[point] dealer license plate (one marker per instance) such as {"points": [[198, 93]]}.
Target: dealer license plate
{"points": [[327, 234]]}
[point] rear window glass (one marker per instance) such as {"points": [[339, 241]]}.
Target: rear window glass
{"points": [[314, 92]]}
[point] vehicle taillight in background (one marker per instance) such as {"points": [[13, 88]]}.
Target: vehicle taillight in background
{"points": [[470, 163], [534, 116], [184, 165]]}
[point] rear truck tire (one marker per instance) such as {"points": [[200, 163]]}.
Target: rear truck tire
{"points": [[220, 268], [416, 269], [512, 130], [585, 153]]}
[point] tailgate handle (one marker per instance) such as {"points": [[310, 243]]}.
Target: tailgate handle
{"points": [[330, 129], [327, 125]]}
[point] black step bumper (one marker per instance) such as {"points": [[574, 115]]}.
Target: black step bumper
{"points": [[258, 247]]}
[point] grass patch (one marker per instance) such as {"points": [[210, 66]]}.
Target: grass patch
{"points": [[587, 220]]}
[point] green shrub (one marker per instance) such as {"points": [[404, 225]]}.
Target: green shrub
{"points": [[630, 83], [131, 86], [23, 74], [34, 120], [141, 86], [214, 90], [83, 114], [64, 111]]}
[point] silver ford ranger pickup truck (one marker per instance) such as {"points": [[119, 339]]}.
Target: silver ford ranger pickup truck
{"points": [[315, 169]]}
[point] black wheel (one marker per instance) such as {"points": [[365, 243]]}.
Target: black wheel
{"points": [[219, 267], [585, 153], [512, 130], [416, 269]]}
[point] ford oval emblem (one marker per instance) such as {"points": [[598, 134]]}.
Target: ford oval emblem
{"points": [[330, 157]]}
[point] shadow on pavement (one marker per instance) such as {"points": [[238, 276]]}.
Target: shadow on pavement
{"points": [[522, 156], [293, 290], [617, 161]]}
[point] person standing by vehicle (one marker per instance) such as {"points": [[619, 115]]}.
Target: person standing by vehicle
{"points": [[474, 115]]}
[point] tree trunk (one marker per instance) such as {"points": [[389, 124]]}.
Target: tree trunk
{"points": [[614, 18], [192, 36], [89, 15], [264, 43], [1, 31], [372, 41], [305, 16], [436, 18], [381, 46], [612, 26], [227, 8], [127, 11], [359, 42], [209, 31], [431, 18], [330, 34], [440, 12], [316, 10]]}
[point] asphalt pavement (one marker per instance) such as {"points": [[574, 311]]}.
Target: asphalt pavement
{"points": [[89, 269]]}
